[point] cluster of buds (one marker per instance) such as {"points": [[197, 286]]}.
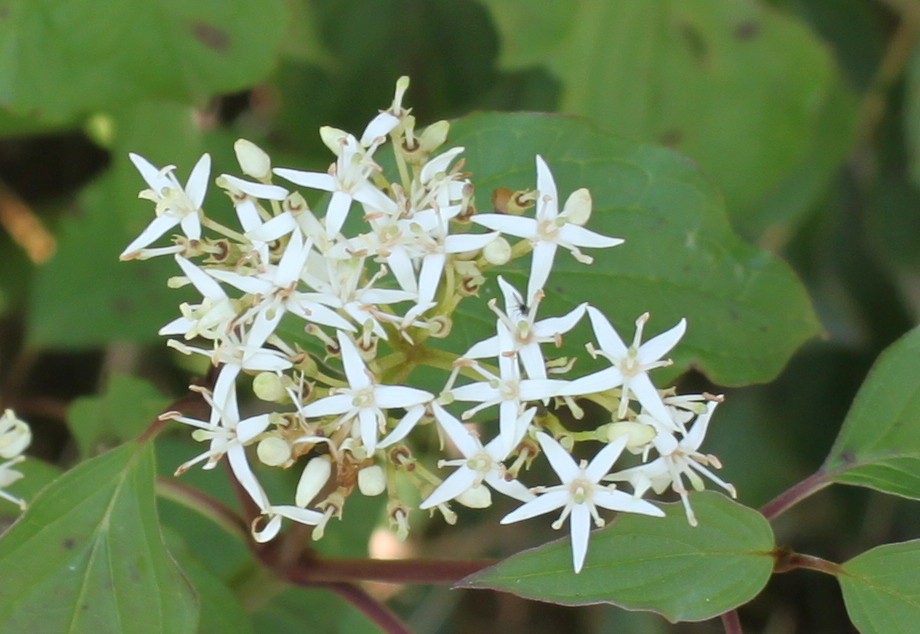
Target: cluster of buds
{"points": [[331, 314], [15, 436]]}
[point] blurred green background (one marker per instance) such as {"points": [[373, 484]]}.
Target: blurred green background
{"points": [[805, 114]]}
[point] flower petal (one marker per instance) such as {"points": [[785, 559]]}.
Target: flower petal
{"points": [[559, 459], [549, 501]]}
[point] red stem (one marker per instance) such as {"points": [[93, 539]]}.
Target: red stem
{"points": [[795, 494], [731, 622], [377, 612], [427, 571]]}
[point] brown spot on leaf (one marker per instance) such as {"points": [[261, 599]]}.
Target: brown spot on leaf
{"points": [[4, 13], [671, 138], [211, 36], [848, 457], [747, 30], [69, 543], [123, 306]]}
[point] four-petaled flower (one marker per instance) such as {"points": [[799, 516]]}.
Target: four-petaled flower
{"points": [[631, 365], [580, 494], [175, 205], [549, 229], [365, 402], [684, 460], [479, 464], [526, 333]]}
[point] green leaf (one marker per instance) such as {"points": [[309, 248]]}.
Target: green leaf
{"points": [[733, 84], [881, 588], [133, 302], [879, 443], [321, 609], [661, 565], [64, 60], [746, 310], [124, 410], [221, 610], [912, 113], [36, 475], [91, 544]]}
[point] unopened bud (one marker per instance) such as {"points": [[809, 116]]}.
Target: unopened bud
{"points": [[476, 497], [577, 207], [273, 451], [333, 138], [268, 387], [434, 136], [497, 252], [639, 434], [15, 435], [253, 160], [372, 480], [314, 477]]}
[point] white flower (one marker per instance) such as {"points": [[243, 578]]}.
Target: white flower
{"points": [[631, 365], [336, 285], [580, 494], [15, 436], [175, 205], [276, 286], [349, 178], [549, 228], [429, 231], [684, 460], [509, 391], [527, 333], [212, 318], [274, 513], [364, 401], [479, 464], [224, 430]]}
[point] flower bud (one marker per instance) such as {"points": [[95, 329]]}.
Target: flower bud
{"points": [[497, 252], [253, 160], [273, 451], [577, 207], [434, 136], [268, 387], [639, 434], [372, 480], [314, 477], [333, 138], [476, 497], [15, 435]]}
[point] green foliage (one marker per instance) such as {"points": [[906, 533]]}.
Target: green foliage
{"points": [[119, 414], [744, 90], [663, 565], [221, 610], [878, 445], [132, 303], [91, 543], [745, 309], [63, 61], [882, 589]]}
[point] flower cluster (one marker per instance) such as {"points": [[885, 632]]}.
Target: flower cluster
{"points": [[15, 436], [331, 314]]}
